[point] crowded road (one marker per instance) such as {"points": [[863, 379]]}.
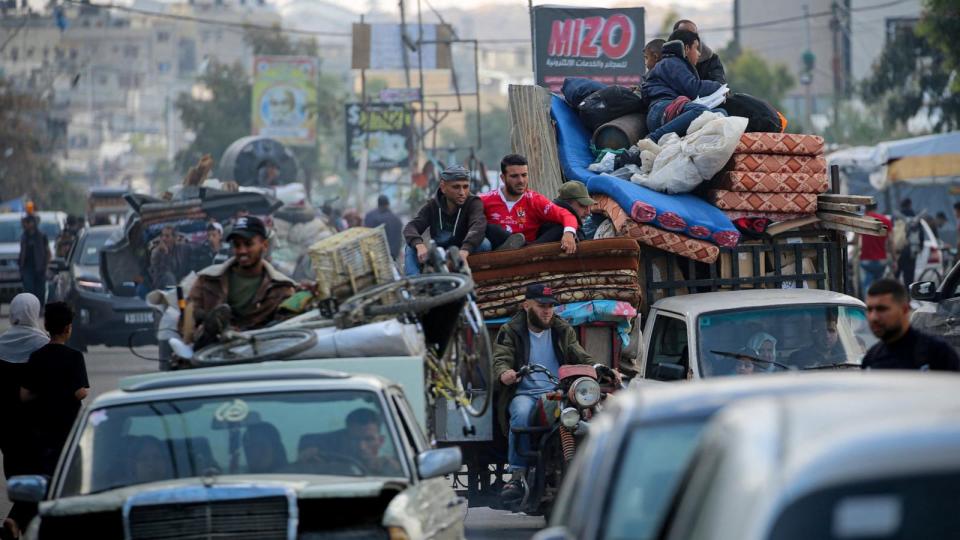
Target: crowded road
{"points": [[107, 365]]}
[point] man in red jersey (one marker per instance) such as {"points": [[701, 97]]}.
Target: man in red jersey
{"points": [[517, 215]]}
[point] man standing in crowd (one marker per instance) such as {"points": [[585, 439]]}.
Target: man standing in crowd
{"points": [[244, 292], [453, 216], [383, 215], [532, 336], [168, 260], [876, 252], [34, 258], [54, 384], [517, 215], [901, 346], [907, 259], [708, 64]]}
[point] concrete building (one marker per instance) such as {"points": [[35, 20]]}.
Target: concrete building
{"points": [[871, 28]]}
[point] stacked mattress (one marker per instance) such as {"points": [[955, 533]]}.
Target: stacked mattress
{"points": [[772, 175], [600, 270]]}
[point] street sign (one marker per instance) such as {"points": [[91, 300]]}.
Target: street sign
{"points": [[284, 87], [605, 45], [400, 95], [383, 130]]}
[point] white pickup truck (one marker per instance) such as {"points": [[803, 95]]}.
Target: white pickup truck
{"points": [[725, 333]]}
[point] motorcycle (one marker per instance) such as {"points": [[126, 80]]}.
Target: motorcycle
{"points": [[559, 422]]}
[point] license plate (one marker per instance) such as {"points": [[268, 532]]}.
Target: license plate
{"points": [[141, 317]]}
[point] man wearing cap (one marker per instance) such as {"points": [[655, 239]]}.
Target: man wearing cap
{"points": [[243, 292], [574, 198], [454, 218], [517, 215], [532, 336], [383, 215]]}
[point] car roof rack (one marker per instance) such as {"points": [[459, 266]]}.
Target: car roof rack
{"points": [[155, 382]]}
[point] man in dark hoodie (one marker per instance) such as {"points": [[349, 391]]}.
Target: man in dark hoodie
{"points": [[574, 197], [454, 217], [708, 65], [673, 84]]}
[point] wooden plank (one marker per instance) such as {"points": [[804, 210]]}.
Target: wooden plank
{"points": [[858, 209], [789, 225], [852, 228], [534, 136], [868, 223], [847, 199]]}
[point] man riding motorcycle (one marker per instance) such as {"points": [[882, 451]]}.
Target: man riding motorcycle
{"points": [[534, 335]]}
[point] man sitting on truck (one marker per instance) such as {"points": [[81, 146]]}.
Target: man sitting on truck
{"points": [[517, 215], [532, 336], [574, 198], [244, 292]]}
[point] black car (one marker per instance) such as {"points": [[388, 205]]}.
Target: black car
{"points": [[940, 314], [102, 318]]}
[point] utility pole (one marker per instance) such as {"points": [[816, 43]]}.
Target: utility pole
{"points": [[837, 62], [806, 78], [736, 24]]}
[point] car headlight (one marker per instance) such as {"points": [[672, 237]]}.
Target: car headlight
{"points": [[584, 392], [90, 285], [570, 417]]}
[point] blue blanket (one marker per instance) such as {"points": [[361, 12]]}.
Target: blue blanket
{"points": [[686, 214]]}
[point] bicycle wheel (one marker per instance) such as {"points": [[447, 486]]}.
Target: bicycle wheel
{"points": [[416, 294], [475, 361], [275, 345]]}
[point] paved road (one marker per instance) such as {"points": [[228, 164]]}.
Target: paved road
{"points": [[106, 366]]}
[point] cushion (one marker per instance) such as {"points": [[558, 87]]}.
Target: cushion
{"points": [[805, 203], [763, 182], [777, 163], [780, 143], [691, 248]]}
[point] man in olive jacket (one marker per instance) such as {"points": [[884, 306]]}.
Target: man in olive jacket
{"points": [[533, 336]]}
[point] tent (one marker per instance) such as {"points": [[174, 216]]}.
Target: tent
{"points": [[924, 169]]}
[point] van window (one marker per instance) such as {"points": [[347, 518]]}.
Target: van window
{"points": [[668, 345]]}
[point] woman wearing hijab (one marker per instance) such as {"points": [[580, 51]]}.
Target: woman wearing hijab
{"points": [[764, 347], [24, 336]]}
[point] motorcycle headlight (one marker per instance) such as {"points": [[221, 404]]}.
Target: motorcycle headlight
{"points": [[570, 417], [584, 392], [90, 285]]}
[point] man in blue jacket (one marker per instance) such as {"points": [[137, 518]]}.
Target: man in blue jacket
{"points": [[673, 84]]}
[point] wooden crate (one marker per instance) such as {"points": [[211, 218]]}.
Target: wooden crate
{"points": [[351, 261]]}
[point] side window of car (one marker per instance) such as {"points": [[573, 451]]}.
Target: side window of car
{"points": [[668, 345], [414, 436]]}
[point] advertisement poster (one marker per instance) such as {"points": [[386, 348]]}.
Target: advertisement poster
{"points": [[384, 129], [284, 89], [605, 45]]}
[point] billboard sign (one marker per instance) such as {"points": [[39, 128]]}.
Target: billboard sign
{"points": [[605, 45], [385, 129], [284, 89]]}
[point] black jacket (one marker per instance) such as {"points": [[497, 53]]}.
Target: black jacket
{"points": [[709, 67], [468, 223], [392, 226], [565, 205]]}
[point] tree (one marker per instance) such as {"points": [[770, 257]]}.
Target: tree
{"points": [[666, 25], [917, 74], [749, 73], [859, 125], [218, 121], [26, 168]]}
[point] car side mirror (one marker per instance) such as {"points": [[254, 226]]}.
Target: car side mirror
{"points": [[553, 533], [925, 291], [58, 264], [27, 488], [666, 371], [440, 462]]}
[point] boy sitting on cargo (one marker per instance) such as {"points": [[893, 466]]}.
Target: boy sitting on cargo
{"points": [[454, 217], [652, 52], [673, 84]]}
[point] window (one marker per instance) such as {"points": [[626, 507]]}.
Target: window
{"points": [[89, 252], [163, 37], [333, 432], [668, 345], [131, 51], [651, 468], [14, 53]]}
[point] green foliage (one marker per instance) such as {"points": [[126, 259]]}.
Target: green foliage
{"points": [[917, 71], [859, 127], [495, 133], [666, 25], [219, 121], [274, 42], [749, 73]]}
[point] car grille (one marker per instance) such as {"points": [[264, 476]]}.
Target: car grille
{"points": [[220, 516]]}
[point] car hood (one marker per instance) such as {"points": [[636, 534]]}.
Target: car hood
{"points": [[305, 486], [9, 248]]}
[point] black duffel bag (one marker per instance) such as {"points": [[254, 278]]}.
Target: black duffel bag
{"points": [[609, 104], [577, 89], [760, 115]]}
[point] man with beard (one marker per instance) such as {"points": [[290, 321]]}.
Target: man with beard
{"points": [[900, 346], [708, 65], [532, 336], [454, 218], [244, 292], [517, 215]]}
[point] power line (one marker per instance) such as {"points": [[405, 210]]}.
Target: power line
{"points": [[211, 22]]}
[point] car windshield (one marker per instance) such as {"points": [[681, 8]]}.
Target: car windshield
{"points": [[90, 250], [326, 432], [773, 339], [651, 468], [11, 231]]}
